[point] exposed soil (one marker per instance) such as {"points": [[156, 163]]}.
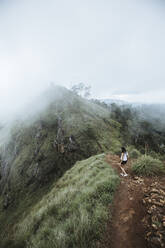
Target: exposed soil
{"points": [[125, 228]]}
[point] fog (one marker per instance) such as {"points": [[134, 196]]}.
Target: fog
{"points": [[117, 47]]}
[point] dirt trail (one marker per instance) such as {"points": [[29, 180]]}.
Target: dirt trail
{"points": [[125, 229]]}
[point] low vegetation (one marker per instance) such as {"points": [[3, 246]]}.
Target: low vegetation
{"points": [[31, 163], [47, 200], [74, 212], [31, 156], [148, 166], [133, 152]]}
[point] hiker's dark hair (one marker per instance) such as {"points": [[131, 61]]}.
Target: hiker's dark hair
{"points": [[123, 149]]}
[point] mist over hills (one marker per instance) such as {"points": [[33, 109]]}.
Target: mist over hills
{"points": [[116, 101], [49, 138], [147, 111], [61, 174], [58, 129]]}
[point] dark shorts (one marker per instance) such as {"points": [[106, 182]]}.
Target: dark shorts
{"points": [[123, 162]]}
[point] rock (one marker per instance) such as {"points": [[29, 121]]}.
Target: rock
{"points": [[154, 200], [72, 145], [148, 234], [159, 204], [155, 191], [162, 192], [156, 241], [6, 201], [125, 219], [154, 226], [162, 201], [154, 218]]}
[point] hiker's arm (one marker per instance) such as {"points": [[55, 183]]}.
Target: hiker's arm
{"points": [[121, 158]]}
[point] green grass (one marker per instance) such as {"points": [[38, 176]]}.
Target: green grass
{"points": [[30, 156], [148, 166], [34, 165], [133, 152], [74, 212]]}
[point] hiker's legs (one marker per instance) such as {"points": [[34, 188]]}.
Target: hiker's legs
{"points": [[123, 170]]}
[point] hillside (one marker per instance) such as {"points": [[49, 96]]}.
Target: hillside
{"points": [[45, 143], [59, 174], [73, 213]]}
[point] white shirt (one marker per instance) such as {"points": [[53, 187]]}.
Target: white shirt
{"points": [[125, 156]]}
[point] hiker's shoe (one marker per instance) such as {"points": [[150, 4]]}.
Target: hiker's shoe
{"points": [[125, 175], [122, 174]]}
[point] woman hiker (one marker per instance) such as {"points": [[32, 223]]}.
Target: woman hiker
{"points": [[123, 161]]}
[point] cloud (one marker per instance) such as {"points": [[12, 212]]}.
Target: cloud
{"points": [[148, 97], [115, 46]]}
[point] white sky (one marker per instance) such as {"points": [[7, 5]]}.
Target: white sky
{"points": [[117, 47]]}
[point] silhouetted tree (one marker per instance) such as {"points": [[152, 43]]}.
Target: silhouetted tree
{"points": [[82, 90]]}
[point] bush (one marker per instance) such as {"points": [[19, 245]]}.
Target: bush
{"points": [[133, 153], [155, 155], [115, 147], [148, 166]]}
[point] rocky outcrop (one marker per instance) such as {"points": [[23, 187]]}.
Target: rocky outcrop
{"points": [[60, 137], [62, 143], [154, 200]]}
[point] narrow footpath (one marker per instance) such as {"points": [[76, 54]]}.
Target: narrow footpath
{"points": [[125, 228]]}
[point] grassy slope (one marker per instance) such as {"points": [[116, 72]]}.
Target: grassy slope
{"points": [[94, 132], [90, 124], [73, 212], [148, 166]]}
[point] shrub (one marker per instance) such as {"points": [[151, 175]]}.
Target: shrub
{"points": [[148, 166], [155, 155], [133, 153], [115, 147]]}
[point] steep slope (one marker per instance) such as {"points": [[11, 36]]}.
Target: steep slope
{"points": [[62, 129], [73, 213]]}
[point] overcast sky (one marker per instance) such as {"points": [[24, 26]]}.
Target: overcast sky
{"points": [[116, 46]]}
